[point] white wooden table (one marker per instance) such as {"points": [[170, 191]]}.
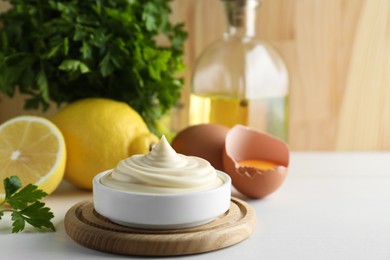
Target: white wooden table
{"points": [[332, 206]]}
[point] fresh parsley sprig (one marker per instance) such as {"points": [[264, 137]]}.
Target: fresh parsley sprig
{"points": [[25, 205], [63, 51]]}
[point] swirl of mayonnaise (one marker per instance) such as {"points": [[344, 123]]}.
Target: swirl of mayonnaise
{"points": [[162, 171]]}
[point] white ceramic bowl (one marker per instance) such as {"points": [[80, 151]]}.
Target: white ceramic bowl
{"points": [[161, 211]]}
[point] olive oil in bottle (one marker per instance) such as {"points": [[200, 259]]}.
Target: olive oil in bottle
{"points": [[240, 79]]}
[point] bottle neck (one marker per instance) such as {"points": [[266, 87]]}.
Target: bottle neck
{"points": [[240, 18]]}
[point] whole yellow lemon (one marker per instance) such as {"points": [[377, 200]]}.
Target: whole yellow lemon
{"points": [[98, 134]]}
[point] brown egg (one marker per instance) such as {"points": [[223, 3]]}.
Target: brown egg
{"points": [[206, 141], [267, 157]]}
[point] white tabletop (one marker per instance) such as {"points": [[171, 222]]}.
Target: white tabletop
{"points": [[331, 206]]}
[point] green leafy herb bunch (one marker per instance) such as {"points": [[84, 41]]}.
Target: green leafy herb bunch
{"points": [[66, 50]]}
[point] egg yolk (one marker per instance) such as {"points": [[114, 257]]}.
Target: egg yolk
{"points": [[259, 164]]}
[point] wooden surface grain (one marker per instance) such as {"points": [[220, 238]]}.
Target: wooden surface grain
{"points": [[87, 227], [338, 56]]}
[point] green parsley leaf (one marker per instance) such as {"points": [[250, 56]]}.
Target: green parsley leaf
{"points": [[25, 205], [73, 66], [38, 215], [18, 223], [28, 194], [11, 185]]}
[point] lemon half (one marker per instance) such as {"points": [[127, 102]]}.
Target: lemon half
{"points": [[33, 149]]}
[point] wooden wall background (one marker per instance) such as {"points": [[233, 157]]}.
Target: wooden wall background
{"points": [[338, 56]]}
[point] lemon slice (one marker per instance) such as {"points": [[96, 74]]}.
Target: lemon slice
{"points": [[33, 149]]}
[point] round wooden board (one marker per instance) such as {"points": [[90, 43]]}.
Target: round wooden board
{"points": [[88, 228]]}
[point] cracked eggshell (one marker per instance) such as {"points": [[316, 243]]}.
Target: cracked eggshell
{"points": [[244, 143], [206, 141]]}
